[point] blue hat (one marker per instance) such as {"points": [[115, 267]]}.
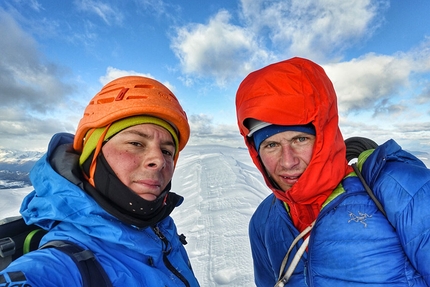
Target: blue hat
{"points": [[270, 130]]}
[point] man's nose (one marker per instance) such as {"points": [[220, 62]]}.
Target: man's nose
{"points": [[155, 159], [288, 157]]}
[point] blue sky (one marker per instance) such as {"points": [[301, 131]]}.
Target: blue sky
{"points": [[55, 55]]}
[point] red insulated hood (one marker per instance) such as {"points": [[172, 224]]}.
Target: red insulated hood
{"points": [[297, 92]]}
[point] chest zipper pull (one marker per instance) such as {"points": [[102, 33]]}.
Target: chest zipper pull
{"points": [[163, 238], [166, 251]]}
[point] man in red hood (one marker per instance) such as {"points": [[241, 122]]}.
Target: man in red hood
{"points": [[287, 114], [296, 93]]}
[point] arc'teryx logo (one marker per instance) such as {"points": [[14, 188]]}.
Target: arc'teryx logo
{"points": [[361, 217], [13, 279]]}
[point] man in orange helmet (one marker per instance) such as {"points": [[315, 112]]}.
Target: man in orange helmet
{"points": [[107, 189], [320, 227]]}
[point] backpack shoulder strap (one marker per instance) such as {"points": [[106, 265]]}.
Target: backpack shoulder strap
{"points": [[91, 270], [368, 189], [354, 147]]}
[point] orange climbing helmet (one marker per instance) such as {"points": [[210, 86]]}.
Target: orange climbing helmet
{"points": [[131, 96]]}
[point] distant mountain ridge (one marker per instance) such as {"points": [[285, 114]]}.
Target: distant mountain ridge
{"points": [[15, 167]]}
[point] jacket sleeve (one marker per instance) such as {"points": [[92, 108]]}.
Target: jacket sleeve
{"points": [[411, 217], [263, 270], [402, 183], [271, 232], [42, 268]]}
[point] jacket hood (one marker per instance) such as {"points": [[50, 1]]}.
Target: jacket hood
{"points": [[56, 198], [297, 92]]}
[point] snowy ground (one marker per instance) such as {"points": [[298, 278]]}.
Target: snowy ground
{"points": [[222, 188], [11, 201]]}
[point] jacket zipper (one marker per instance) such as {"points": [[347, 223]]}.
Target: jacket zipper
{"points": [[166, 251]]}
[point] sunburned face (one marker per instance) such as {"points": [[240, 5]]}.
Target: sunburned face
{"points": [[286, 156], [142, 158]]}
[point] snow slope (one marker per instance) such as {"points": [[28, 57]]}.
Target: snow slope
{"points": [[10, 201], [222, 188]]}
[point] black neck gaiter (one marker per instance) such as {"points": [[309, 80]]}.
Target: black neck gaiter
{"points": [[120, 201]]}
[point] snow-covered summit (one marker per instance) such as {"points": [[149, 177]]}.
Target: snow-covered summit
{"points": [[15, 166], [10, 156]]}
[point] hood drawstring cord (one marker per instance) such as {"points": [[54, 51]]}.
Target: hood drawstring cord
{"points": [[282, 280]]}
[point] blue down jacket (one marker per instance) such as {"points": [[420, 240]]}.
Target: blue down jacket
{"points": [[352, 243], [130, 256]]}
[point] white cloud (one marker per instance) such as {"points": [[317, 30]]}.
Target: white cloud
{"points": [[273, 30], [315, 29], [33, 4], [383, 97], [201, 124], [414, 139], [114, 73], [159, 8], [382, 83], [218, 49], [36, 102], [362, 82], [110, 15], [203, 131], [22, 130], [26, 78]]}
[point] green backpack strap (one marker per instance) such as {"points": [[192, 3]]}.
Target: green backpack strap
{"points": [[31, 241]]}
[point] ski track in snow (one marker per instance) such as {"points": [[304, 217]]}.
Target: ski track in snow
{"points": [[222, 188]]}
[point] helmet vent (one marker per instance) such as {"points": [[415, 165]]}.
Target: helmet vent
{"points": [[105, 100], [144, 86], [121, 94], [136, 97], [107, 91]]}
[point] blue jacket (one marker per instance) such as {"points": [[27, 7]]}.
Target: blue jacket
{"points": [[352, 243], [130, 256]]}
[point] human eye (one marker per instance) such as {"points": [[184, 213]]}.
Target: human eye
{"points": [[302, 139], [269, 145], [135, 143], [167, 152]]}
